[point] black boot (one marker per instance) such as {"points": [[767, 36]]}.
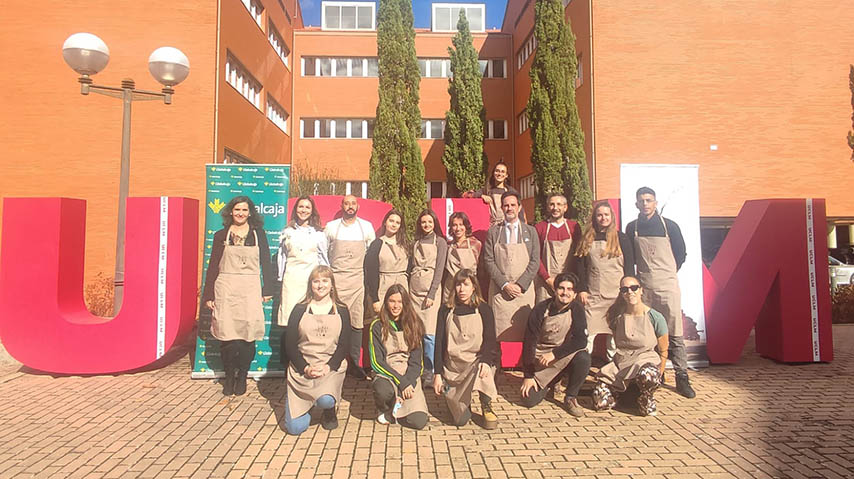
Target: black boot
{"points": [[240, 382], [228, 382], [329, 419], [683, 386], [227, 355]]}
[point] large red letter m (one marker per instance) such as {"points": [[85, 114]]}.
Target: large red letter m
{"points": [[771, 273]]}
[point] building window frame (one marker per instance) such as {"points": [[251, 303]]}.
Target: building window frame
{"points": [[490, 130], [526, 51], [523, 121], [454, 20], [340, 6], [277, 114], [365, 128], [427, 125], [238, 77], [527, 187], [256, 11], [277, 42], [231, 157]]}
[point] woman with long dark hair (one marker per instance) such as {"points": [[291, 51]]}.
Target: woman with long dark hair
{"points": [[497, 184], [387, 259], [467, 352], [638, 331], [426, 265], [396, 357], [605, 254], [463, 251], [303, 247], [240, 258], [316, 346]]}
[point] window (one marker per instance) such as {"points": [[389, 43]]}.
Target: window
{"points": [[579, 72], [446, 16], [432, 129], [527, 187], [237, 76], [435, 67], [348, 16], [337, 128], [255, 10], [523, 121], [437, 189], [493, 68], [495, 130], [278, 43], [339, 67], [277, 114], [525, 52], [233, 157]]}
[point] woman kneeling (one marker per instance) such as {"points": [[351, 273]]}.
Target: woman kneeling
{"points": [[397, 358], [316, 346], [466, 351], [638, 329]]}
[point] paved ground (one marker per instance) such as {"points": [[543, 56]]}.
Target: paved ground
{"points": [[754, 419]]}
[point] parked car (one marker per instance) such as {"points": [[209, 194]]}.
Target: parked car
{"points": [[840, 273]]}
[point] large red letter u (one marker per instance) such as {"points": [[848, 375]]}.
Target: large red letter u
{"points": [[44, 322]]}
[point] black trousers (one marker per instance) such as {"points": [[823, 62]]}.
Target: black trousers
{"points": [[576, 371], [385, 396], [237, 354]]}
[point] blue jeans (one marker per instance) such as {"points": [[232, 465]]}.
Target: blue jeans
{"points": [[429, 348], [300, 425]]}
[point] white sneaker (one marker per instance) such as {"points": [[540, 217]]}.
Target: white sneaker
{"points": [[383, 419]]}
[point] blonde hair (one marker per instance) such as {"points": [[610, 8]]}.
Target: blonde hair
{"points": [[322, 271], [612, 238]]}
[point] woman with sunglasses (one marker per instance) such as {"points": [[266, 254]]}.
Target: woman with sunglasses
{"points": [[638, 331]]}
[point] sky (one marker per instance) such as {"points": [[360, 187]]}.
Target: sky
{"points": [[421, 9]]}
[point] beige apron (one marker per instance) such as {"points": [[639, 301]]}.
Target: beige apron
{"points": [[423, 270], [657, 274], [603, 286], [511, 315], [461, 366], [347, 260], [636, 341], [393, 261], [318, 339], [552, 334], [397, 356], [556, 255], [496, 215], [458, 259], [238, 304], [302, 259]]}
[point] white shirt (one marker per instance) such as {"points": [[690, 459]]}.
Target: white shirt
{"points": [[304, 232], [511, 231], [359, 230]]}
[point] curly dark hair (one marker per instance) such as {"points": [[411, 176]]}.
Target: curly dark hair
{"points": [[256, 221], [465, 219]]}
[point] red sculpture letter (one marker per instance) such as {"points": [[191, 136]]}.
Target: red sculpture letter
{"points": [[44, 322], [771, 271]]}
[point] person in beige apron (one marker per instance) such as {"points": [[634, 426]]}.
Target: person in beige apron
{"points": [[316, 347], [659, 253], [387, 259], [554, 347], [604, 254], [467, 352], [638, 330], [429, 254], [348, 239], [303, 246], [240, 257], [397, 359], [463, 251], [497, 185], [556, 238], [511, 257]]}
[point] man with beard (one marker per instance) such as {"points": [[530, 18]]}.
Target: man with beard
{"points": [[556, 236], [349, 237]]}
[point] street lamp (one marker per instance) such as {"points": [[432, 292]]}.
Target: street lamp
{"points": [[87, 55]]}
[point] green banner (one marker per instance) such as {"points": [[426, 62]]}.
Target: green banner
{"points": [[267, 186]]}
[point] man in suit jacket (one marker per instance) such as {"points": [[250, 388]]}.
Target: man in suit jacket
{"points": [[511, 257]]}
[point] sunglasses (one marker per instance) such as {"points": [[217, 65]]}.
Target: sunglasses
{"points": [[625, 289]]}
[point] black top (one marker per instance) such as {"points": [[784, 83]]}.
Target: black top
{"points": [[488, 348], [414, 366], [269, 278], [653, 227], [372, 270], [575, 340], [292, 338], [583, 264]]}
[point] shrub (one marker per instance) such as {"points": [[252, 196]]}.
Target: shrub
{"points": [[98, 295]]}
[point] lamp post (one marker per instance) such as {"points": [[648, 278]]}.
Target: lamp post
{"points": [[87, 55]]}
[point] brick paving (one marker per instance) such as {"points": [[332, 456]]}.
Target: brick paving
{"points": [[753, 419]]}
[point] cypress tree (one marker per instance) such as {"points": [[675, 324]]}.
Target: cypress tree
{"points": [[557, 152], [397, 171], [851, 87], [463, 157]]}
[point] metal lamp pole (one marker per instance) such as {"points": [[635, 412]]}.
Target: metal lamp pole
{"points": [[87, 55]]}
